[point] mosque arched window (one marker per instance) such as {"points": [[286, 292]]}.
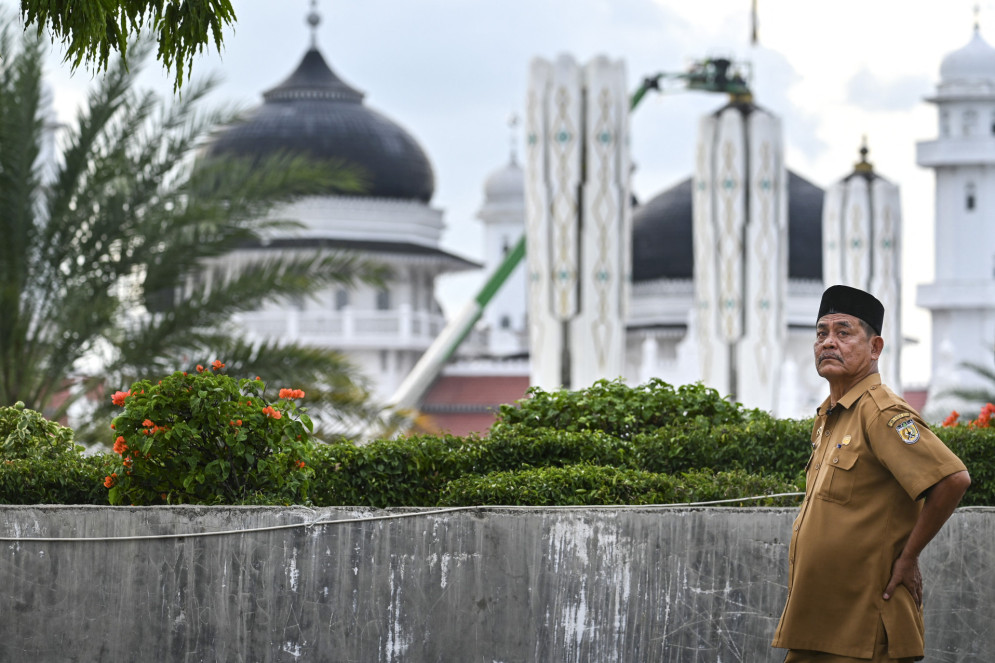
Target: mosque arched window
{"points": [[341, 299], [945, 123], [970, 120], [970, 196], [383, 299]]}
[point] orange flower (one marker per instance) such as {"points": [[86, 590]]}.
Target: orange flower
{"points": [[110, 480], [119, 396], [291, 393], [200, 369], [238, 422], [217, 365], [119, 446], [951, 419], [300, 465], [148, 423], [127, 461], [270, 412]]}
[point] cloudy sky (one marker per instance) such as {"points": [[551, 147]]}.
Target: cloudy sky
{"points": [[453, 71]]}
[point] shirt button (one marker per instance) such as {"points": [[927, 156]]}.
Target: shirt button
{"points": [[836, 460], [827, 433], [818, 465]]}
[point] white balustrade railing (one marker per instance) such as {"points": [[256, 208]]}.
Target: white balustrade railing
{"points": [[348, 328]]}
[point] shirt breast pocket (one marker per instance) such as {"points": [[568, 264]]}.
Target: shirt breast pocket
{"points": [[838, 486]]}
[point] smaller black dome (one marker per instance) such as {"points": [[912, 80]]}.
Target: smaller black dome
{"points": [[314, 112], [663, 239], [663, 236]]}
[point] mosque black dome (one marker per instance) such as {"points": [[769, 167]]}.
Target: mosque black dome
{"points": [[662, 233], [316, 113]]}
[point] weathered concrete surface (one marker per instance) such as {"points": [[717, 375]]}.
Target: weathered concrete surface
{"points": [[591, 585]]}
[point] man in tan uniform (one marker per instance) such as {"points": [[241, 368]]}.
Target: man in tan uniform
{"points": [[879, 486]]}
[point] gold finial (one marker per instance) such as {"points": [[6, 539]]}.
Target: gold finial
{"points": [[977, 16], [863, 166], [741, 97]]}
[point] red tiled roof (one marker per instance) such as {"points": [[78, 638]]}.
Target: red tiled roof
{"points": [[476, 390], [463, 404], [916, 398]]}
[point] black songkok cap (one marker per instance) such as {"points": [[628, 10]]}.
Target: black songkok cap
{"points": [[859, 304]]}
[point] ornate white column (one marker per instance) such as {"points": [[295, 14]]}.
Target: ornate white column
{"points": [[577, 220], [740, 252]]}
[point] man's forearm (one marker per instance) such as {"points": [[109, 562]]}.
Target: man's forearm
{"points": [[941, 500]]}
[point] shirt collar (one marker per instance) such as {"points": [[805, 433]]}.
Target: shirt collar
{"points": [[850, 397]]}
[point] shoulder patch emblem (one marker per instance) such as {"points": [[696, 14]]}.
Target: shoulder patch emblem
{"points": [[900, 415], [908, 432]]}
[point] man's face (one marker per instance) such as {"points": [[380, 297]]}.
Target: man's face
{"points": [[843, 349]]}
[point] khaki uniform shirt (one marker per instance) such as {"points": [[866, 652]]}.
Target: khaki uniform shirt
{"points": [[872, 459]]}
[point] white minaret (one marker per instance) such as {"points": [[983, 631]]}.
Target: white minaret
{"points": [[861, 237], [741, 253], [503, 215], [962, 297], [578, 220]]}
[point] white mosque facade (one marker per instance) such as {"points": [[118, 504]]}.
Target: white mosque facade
{"points": [[961, 299], [776, 260]]}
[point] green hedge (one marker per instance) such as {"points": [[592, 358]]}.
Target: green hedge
{"points": [[761, 445], [620, 410], [55, 481], [609, 444], [976, 447], [593, 484], [417, 471]]}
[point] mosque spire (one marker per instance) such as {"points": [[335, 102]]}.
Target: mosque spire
{"points": [[863, 166], [314, 20], [513, 122]]}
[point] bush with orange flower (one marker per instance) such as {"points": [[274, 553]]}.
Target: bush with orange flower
{"points": [[203, 437], [983, 420]]}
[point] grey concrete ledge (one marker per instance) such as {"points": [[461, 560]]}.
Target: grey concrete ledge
{"points": [[581, 584]]}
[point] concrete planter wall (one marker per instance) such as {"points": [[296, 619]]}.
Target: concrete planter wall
{"points": [[506, 585]]}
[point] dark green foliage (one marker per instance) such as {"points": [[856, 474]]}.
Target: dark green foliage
{"points": [[519, 446], [620, 410], [404, 472], [40, 464], [592, 485], [417, 471], [92, 29], [761, 444], [707, 450], [976, 447], [55, 480]]}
